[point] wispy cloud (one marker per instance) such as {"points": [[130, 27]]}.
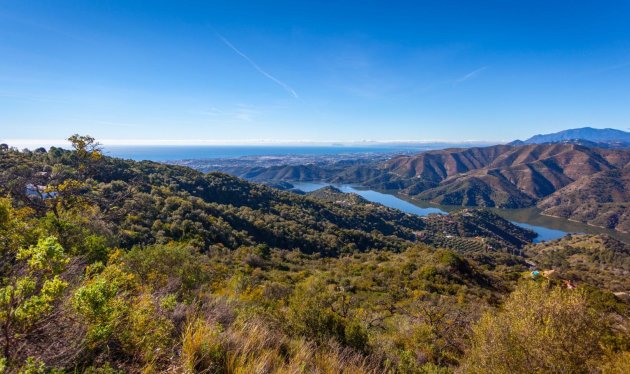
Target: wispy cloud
{"points": [[613, 67], [471, 75], [119, 124], [37, 98], [212, 111], [42, 27], [233, 114], [286, 87], [246, 114]]}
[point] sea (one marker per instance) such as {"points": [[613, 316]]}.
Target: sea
{"points": [[172, 153]]}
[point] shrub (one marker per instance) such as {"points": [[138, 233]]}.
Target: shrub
{"points": [[310, 313], [202, 348], [103, 303], [356, 336], [147, 334], [617, 364], [28, 296], [538, 330]]}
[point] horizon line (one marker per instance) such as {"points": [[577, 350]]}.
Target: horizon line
{"points": [[46, 143]]}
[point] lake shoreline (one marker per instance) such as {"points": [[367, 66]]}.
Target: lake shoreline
{"points": [[547, 227]]}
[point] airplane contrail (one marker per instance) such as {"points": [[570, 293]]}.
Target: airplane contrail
{"points": [[258, 68], [471, 75]]}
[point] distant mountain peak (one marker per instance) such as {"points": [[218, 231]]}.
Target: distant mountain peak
{"points": [[607, 138]]}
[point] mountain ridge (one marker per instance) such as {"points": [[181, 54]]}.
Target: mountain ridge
{"points": [[606, 138]]}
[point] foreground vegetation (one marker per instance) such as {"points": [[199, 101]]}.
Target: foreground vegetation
{"points": [[115, 266]]}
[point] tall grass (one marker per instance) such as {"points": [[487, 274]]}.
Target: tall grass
{"points": [[251, 347]]}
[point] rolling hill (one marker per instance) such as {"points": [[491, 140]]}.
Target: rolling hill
{"points": [[602, 199], [565, 180]]}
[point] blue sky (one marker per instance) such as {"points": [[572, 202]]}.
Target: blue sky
{"points": [[291, 71]]}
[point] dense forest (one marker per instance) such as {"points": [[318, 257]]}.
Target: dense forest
{"points": [[111, 265]]}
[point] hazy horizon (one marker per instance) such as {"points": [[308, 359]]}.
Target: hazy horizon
{"points": [[34, 143]]}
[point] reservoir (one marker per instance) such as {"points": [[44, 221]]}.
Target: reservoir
{"points": [[547, 228]]}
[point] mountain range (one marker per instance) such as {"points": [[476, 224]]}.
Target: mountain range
{"points": [[607, 138], [587, 184]]}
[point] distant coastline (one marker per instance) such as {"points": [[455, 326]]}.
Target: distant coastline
{"points": [[163, 153]]}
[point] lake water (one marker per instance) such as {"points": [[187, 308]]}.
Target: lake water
{"points": [[547, 228], [374, 196], [544, 233]]}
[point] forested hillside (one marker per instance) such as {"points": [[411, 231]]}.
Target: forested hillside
{"points": [[111, 266], [145, 203]]}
